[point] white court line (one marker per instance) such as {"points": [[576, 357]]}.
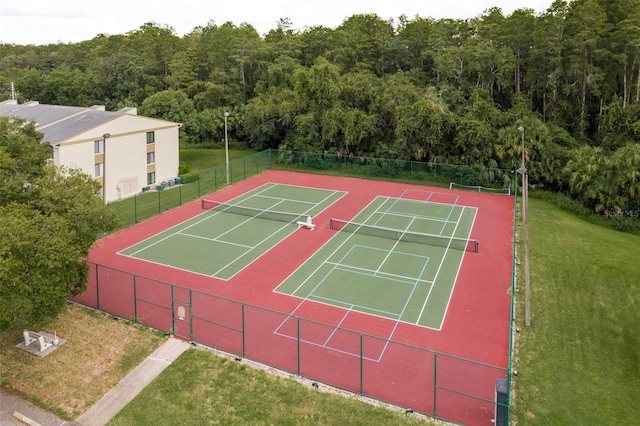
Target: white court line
{"points": [[329, 195], [435, 277], [214, 240], [355, 269], [475, 214], [209, 216], [287, 199], [394, 246]]}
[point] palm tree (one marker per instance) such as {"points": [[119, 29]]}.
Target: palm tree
{"points": [[583, 171]]}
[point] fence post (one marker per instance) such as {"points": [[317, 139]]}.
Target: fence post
{"points": [[173, 313], [159, 201], [135, 209], [190, 315], [97, 288], [435, 381], [135, 301], [243, 328], [298, 341], [361, 366]]}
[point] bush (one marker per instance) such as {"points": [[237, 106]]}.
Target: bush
{"points": [[189, 177], [183, 169]]}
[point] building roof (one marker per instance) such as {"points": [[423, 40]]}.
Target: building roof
{"points": [[58, 123], [77, 124]]}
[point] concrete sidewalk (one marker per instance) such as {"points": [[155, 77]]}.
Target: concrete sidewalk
{"points": [[15, 411], [118, 397]]}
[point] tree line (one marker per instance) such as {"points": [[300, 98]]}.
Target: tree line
{"points": [[438, 90]]}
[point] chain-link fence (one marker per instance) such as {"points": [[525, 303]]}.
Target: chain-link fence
{"points": [[414, 378], [159, 198], [418, 379]]}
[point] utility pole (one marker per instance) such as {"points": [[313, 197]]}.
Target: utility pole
{"points": [[525, 219]]}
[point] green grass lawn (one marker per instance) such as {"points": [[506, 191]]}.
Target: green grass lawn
{"points": [[199, 159], [202, 388], [579, 361]]}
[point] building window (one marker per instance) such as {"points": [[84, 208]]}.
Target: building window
{"points": [[99, 169], [151, 137], [151, 157], [151, 178], [98, 146]]}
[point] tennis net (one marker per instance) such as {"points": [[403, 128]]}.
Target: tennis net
{"points": [[477, 188], [402, 235], [252, 212]]}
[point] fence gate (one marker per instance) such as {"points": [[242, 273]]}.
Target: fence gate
{"points": [[182, 313]]}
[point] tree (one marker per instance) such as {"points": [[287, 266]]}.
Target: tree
{"points": [[623, 45], [519, 37], [171, 105], [586, 25], [50, 218], [361, 41]]}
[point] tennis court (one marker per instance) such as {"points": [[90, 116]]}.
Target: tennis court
{"points": [[400, 292], [227, 237], [398, 258]]}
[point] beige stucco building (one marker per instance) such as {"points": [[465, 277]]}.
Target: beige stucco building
{"points": [[125, 152]]}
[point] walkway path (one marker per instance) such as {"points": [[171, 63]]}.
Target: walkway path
{"points": [[15, 411], [118, 397]]}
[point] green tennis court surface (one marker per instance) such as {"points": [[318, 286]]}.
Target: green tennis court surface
{"points": [[398, 258], [225, 238]]}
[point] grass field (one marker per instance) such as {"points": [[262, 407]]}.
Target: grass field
{"points": [[203, 388], [199, 159], [579, 361]]}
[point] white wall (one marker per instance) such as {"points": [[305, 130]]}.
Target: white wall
{"points": [[126, 152]]}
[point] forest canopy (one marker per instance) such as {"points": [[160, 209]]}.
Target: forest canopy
{"points": [[447, 90]]}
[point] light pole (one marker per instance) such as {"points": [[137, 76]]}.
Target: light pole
{"points": [[521, 129], [104, 166], [226, 145], [525, 218]]}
